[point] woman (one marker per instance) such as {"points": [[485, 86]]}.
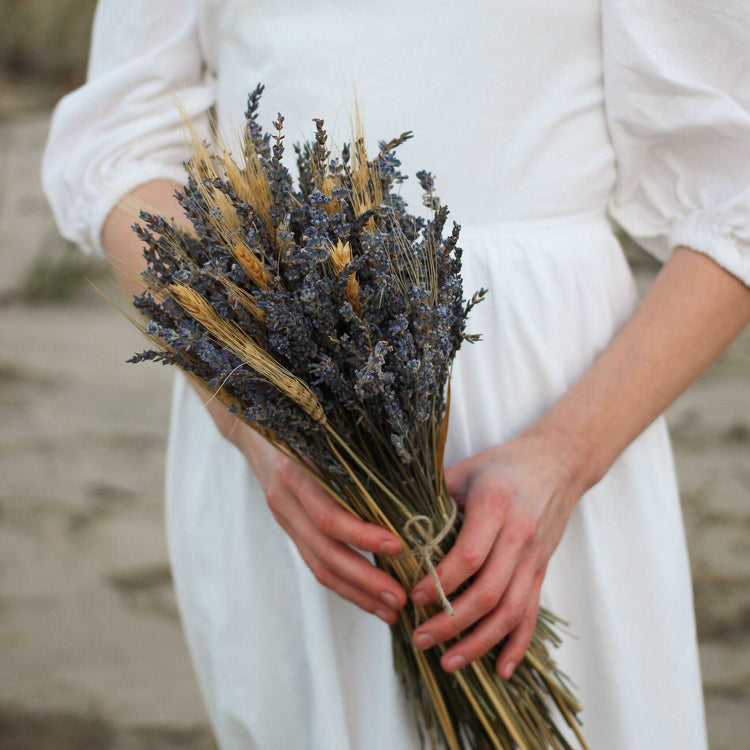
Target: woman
{"points": [[541, 121]]}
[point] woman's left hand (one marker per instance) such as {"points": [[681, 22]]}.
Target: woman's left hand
{"points": [[519, 495], [517, 498]]}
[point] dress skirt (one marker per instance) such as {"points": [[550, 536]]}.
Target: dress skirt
{"points": [[285, 664]]}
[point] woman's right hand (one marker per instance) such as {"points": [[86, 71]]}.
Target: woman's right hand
{"points": [[319, 527]]}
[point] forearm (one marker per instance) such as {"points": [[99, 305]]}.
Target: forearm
{"points": [[123, 248], [689, 316], [125, 255]]}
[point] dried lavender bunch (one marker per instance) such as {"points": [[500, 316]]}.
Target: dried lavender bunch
{"points": [[327, 317]]}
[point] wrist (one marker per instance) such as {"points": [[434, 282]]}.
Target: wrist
{"points": [[580, 466], [246, 440]]}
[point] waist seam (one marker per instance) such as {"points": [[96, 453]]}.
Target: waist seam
{"points": [[593, 218]]}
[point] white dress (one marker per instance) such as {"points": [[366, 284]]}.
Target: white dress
{"points": [[539, 120]]}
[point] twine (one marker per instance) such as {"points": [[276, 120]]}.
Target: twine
{"points": [[424, 550]]}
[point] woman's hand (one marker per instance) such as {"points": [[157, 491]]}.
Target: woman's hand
{"points": [[517, 498], [519, 495], [320, 528]]}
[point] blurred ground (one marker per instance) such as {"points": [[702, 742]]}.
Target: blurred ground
{"points": [[91, 650], [45, 41]]}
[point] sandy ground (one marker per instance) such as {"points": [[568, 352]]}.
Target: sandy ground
{"points": [[91, 650]]}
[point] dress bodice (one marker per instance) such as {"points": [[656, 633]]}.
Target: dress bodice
{"points": [[511, 123], [522, 111]]}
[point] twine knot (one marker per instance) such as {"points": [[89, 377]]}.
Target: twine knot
{"points": [[425, 549]]}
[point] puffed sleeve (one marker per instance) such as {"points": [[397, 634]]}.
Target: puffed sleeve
{"points": [[677, 99], [122, 128]]}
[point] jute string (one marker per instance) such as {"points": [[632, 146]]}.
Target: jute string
{"points": [[424, 550]]}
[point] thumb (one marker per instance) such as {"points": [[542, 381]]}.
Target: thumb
{"points": [[457, 478]]}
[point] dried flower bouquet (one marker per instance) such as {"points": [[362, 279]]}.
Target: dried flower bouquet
{"points": [[327, 317]]}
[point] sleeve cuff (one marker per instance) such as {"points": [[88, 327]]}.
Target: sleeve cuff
{"points": [[113, 191], [698, 232]]}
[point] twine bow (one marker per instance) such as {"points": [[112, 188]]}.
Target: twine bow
{"points": [[424, 550]]}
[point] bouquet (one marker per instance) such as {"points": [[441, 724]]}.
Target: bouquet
{"points": [[327, 317]]}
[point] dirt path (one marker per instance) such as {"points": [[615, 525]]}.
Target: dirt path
{"points": [[91, 651]]}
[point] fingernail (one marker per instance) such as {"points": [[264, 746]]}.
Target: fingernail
{"points": [[419, 598], [383, 615], [454, 662], [390, 599], [424, 640], [390, 547], [508, 669]]}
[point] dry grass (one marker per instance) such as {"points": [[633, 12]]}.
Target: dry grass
{"points": [[242, 346], [361, 468]]}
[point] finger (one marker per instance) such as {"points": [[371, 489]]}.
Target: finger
{"points": [[480, 598], [483, 519], [518, 641], [496, 625], [353, 567], [338, 523], [341, 560], [326, 577]]}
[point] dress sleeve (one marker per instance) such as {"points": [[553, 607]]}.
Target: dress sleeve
{"points": [[122, 127], [677, 100]]}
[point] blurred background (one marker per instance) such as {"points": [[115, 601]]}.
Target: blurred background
{"points": [[91, 650]]}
